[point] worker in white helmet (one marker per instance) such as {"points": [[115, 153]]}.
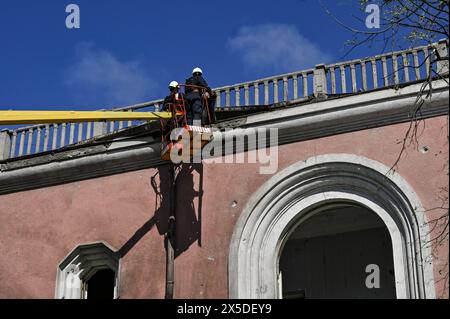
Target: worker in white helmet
{"points": [[175, 97], [195, 87], [174, 102]]}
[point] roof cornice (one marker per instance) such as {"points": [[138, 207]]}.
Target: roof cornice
{"points": [[302, 122]]}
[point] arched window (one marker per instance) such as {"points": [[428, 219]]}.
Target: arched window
{"points": [[89, 272]]}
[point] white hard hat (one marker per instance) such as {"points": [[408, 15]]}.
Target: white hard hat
{"points": [[173, 84], [197, 70]]}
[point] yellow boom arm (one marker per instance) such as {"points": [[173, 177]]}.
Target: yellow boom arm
{"points": [[44, 117]]}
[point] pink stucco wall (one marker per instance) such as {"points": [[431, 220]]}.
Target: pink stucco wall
{"points": [[39, 228]]}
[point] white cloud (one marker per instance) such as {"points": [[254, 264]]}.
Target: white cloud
{"points": [[276, 47], [100, 77]]}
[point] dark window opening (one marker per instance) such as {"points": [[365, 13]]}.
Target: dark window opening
{"points": [[101, 285], [327, 256]]}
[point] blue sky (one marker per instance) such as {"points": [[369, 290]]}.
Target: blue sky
{"points": [[127, 52]]}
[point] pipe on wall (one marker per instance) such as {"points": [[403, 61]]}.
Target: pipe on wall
{"points": [[170, 237]]}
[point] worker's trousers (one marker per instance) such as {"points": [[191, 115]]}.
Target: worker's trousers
{"points": [[194, 107]]}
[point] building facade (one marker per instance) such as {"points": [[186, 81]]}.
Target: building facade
{"points": [[347, 203]]}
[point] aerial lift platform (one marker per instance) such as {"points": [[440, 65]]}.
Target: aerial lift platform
{"points": [[177, 127]]}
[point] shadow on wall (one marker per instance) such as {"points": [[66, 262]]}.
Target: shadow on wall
{"points": [[188, 218]]}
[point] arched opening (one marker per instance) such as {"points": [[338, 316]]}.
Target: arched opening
{"points": [[90, 271], [298, 192], [340, 251], [101, 285]]}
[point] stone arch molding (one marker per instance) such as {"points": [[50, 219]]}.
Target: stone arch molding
{"points": [[295, 193]]}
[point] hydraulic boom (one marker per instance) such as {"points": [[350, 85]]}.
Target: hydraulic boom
{"points": [[44, 117]]}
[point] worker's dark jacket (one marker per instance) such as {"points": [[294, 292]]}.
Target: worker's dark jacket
{"points": [[196, 80], [170, 99]]}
